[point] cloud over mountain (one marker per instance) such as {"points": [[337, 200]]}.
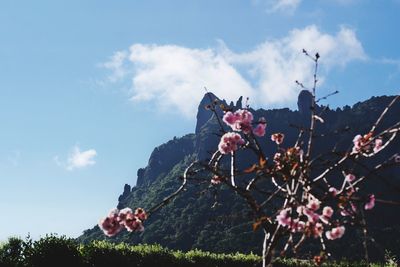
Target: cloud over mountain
{"points": [[172, 77]]}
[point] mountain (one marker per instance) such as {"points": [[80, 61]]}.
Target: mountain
{"points": [[194, 220]]}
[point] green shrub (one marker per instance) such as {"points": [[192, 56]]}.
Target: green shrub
{"points": [[155, 255], [53, 251], [104, 254], [11, 253]]}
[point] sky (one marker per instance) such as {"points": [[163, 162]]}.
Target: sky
{"points": [[89, 88]]}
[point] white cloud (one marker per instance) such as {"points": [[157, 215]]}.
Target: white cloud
{"points": [[116, 64], [391, 61], [77, 159], [173, 76], [286, 6]]}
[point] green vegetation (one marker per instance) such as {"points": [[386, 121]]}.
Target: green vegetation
{"points": [[61, 251]]}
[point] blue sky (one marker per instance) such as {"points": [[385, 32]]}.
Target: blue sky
{"points": [[89, 88]]}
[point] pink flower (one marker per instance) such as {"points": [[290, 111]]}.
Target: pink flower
{"points": [[141, 214], [133, 223], [350, 177], [297, 226], [361, 143], [300, 226], [357, 143], [313, 203], [300, 210], [110, 225], [327, 212], [229, 142], [260, 128], [311, 216], [123, 213], [229, 118], [244, 115], [333, 191], [335, 233], [378, 145], [278, 138], [371, 203], [283, 217], [239, 121]]}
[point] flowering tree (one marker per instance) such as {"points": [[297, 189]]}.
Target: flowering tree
{"points": [[308, 205]]}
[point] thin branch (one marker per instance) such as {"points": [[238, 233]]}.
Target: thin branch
{"points": [[384, 112], [169, 198]]}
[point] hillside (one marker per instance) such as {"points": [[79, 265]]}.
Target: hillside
{"points": [[193, 221]]}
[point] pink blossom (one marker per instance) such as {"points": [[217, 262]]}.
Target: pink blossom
{"points": [[378, 145], [313, 203], [333, 191], [350, 177], [230, 118], [297, 226], [300, 226], [123, 213], [229, 142], [278, 138], [335, 233], [357, 143], [244, 115], [239, 121], [133, 223], [311, 216], [327, 211], [371, 203], [361, 143], [283, 217], [141, 214], [113, 213], [300, 210], [110, 225], [260, 128]]}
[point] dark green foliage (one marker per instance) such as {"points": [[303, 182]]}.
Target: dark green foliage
{"points": [[103, 254], [53, 251], [11, 253]]}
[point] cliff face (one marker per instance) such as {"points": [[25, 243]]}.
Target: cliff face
{"points": [[164, 157], [190, 222]]}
